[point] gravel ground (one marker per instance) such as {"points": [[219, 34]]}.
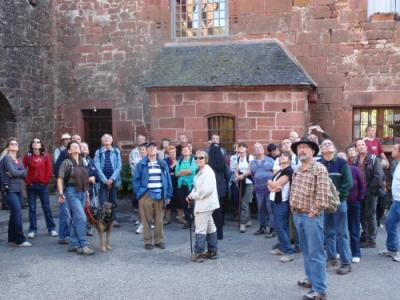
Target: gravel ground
{"points": [[244, 270]]}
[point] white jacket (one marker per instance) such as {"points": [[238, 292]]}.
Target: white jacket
{"points": [[205, 193]]}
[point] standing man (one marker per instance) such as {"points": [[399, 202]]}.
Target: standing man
{"points": [[261, 171], [65, 139], [183, 141], [374, 145], [309, 197], [134, 156], [152, 186], [215, 139], [108, 164], [393, 218], [336, 225], [372, 171]]}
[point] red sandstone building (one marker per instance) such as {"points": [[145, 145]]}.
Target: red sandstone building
{"points": [[252, 70]]}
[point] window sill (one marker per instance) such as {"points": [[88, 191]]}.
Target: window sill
{"points": [[383, 17]]}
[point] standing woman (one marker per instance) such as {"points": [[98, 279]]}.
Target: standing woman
{"points": [[218, 164], [171, 163], [72, 186], [12, 173], [185, 171], [39, 169], [205, 197]]}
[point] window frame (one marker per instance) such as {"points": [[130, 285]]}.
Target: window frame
{"points": [[380, 123], [173, 24], [228, 145]]}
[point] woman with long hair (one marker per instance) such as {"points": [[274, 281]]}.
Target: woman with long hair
{"points": [[39, 171], [12, 174], [217, 162], [72, 186]]}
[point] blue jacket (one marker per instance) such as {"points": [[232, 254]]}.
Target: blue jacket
{"points": [[141, 179], [116, 163]]}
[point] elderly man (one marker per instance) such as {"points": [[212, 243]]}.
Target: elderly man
{"points": [[134, 156], [152, 186], [261, 172], [65, 139], [372, 171], [309, 197], [108, 163], [393, 218], [336, 227]]}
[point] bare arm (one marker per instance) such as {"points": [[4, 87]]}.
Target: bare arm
{"points": [[60, 189]]}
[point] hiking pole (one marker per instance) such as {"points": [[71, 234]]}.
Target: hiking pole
{"points": [[240, 199], [73, 227], [190, 229]]}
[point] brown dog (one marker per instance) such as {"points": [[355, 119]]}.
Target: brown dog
{"points": [[102, 218]]}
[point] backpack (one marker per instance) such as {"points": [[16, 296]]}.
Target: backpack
{"points": [[68, 172], [333, 198]]}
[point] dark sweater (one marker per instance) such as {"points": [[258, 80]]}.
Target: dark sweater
{"points": [[358, 190], [339, 172], [17, 172]]}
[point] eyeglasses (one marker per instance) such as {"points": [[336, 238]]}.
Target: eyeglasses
{"points": [[199, 158], [327, 144], [13, 144], [36, 142]]}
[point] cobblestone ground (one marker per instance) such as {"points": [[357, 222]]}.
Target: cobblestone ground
{"points": [[244, 270]]}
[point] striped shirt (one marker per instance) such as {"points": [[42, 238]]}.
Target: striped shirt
{"points": [[310, 192], [155, 184], [108, 168]]}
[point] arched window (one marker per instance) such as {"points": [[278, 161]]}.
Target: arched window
{"points": [[224, 126]]}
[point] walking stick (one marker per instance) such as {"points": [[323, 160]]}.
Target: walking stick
{"points": [[240, 199], [190, 229]]}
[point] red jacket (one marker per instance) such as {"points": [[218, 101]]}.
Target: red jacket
{"points": [[39, 168]]}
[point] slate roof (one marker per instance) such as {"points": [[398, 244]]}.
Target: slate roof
{"points": [[233, 64]]}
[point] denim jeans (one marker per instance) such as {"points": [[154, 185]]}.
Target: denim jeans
{"points": [[353, 217], [311, 237], [391, 223], [368, 217], [245, 203], [41, 191], [63, 225], [281, 225], [76, 202], [108, 195], [337, 234], [15, 230], [264, 208]]}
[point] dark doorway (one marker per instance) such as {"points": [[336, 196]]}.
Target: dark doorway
{"points": [[96, 123], [7, 121]]}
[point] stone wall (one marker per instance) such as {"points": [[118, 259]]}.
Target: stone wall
{"points": [[263, 115], [26, 97]]}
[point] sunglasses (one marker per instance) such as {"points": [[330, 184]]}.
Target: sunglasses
{"points": [[199, 158]]}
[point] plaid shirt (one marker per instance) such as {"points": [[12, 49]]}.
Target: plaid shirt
{"points": [[309, 193]]}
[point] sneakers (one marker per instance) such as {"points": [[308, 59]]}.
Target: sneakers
{"points": [[260, 231], [63, 242], [388, 253], [355, 260], [368, 244], [160, 245], [53, 233], [137, 222], [85, 251], [242, 228], [343, 270], [248, 224], [31, 235], [314, 295], [212, 255], [139, 230], [305, 283], [148, 246], [276, 252], [270, 234], [332, 263], [24, 244], [287, 258]]}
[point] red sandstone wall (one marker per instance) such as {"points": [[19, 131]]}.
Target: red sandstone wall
{"points": [[258, 114]]}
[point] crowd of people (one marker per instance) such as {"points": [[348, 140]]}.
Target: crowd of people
{"points": [[313, 198]]}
